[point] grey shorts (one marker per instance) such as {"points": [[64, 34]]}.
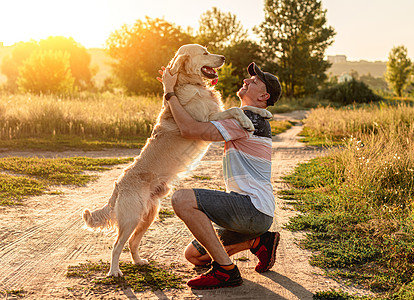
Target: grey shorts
{"points": [[234, 214]]}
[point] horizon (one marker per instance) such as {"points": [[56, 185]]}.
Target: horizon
{"points": [[356, 24]]}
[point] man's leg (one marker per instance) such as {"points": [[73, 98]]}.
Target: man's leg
{"points": [[223, 272], [193, 255], [185, 206]]}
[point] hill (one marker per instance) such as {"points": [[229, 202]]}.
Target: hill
{"points": [[376, 69]]}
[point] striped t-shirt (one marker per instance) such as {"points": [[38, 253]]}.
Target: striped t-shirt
{"points": [[247, 160]]}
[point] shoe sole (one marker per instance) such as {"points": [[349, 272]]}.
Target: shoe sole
{"points": [[238, 283], [273, 256]]}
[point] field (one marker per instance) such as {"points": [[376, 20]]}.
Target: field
{"points": [[357, 202], [87, 121]]}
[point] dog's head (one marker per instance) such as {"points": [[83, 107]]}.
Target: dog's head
{"points": [[194, 59]]}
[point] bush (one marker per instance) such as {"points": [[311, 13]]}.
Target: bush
{"points": [[46, 72], [79, 60], [349, 92]]}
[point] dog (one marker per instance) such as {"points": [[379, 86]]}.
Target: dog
{"points": [[134, 202]]}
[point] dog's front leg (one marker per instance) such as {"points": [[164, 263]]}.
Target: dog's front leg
{"points": [[234, 113], [260, 111]]}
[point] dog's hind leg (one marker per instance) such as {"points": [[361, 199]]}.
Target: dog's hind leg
{"points": [[125, 230], [139, 232]]}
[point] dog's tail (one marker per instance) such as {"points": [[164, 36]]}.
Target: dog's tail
{"points": [[103, 217]]}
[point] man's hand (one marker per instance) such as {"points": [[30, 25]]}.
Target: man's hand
{"points": [[168, 81]]}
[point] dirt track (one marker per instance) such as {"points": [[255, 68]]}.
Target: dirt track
{"points": [[40, 239]]}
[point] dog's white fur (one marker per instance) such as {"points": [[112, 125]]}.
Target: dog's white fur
{"points": [[134, 203]]}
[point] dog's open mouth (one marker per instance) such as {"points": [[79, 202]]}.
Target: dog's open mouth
{"points": [[209, 72]]}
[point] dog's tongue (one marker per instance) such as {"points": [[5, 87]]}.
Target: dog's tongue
{"points": [[214, 81]]}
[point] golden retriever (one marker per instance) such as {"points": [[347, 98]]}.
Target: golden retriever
{"points": [[134, 203]]}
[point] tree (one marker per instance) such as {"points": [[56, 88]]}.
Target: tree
{"points": [[46, 72], [399, 68], [228, 82], [223, 34], [295, 36], [79, 59], [11, 64], [241, 54], [141, 49], [218, 30]]}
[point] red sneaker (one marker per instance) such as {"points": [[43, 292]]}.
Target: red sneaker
{"points": [[217, 277], [266, 251]]}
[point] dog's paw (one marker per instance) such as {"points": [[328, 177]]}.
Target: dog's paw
{"points": [[265, 114], [247, 124], [260, 111], [141, 262], [114, 273]]}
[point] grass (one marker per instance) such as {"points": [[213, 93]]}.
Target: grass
{"points": [[198, 177], [29, 176], [337, 295], [18, 293], [280, 126], [357, 202], [90, 121], [286, 104], [164, 214], [330, 126], [140, 278], [67, 142]]}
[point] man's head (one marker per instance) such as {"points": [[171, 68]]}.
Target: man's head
{"points": [[262, 89]]}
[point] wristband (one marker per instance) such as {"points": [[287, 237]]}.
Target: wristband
{"points": [[169, 95]]}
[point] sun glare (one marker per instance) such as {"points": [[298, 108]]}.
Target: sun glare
{"points": [[40, 19]]}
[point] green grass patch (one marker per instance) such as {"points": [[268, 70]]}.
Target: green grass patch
{"points": [[140, 278], [280, 126], [337, 295], [356, 235], [14, 188], [8, 293], [201, 177], [242, 258], [29, 176], [165, 213], [68, 142]]}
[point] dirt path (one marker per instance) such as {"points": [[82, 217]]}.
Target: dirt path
{"points": [[40, 239]]}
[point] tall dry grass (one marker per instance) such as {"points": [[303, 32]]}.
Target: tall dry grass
{"points": [[358, 202], [94, 116], [380, 167], [332, 124]]}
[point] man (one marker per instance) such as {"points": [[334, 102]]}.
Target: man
{"points": [[245, 213]]}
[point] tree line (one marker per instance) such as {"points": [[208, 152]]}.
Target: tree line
{"points": [[292, 40]]}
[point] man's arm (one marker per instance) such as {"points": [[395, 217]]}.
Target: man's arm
{"points": [[190, 128]]}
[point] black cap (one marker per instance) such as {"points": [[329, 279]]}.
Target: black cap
{"points": [[271, 81]]}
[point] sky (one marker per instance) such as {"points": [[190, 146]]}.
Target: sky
{"points": [[366, 29]]}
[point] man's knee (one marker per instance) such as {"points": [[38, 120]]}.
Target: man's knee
{"points": [[182, 199]]}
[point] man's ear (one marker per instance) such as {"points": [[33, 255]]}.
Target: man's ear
{"points": [[264, 97]]}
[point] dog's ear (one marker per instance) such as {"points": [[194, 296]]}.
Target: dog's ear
{"points": [[178, 62]]}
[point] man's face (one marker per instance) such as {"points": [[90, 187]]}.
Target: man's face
{"points": [[252, 89]]}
